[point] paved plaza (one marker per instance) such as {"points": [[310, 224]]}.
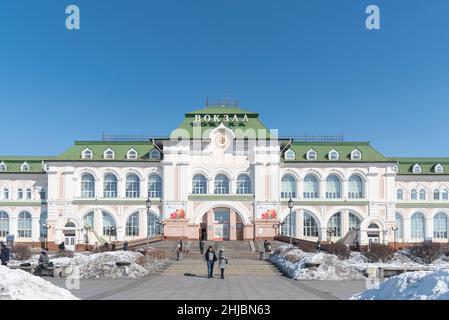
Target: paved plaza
{"points": [[198, 287]]}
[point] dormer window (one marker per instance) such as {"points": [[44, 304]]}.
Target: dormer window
{"points": [[289, 155], [311, 155], [131, 154], [356, 155], [334, 155], [25, 167], [395, 168], [438, 168], [155, 154], [109, 154], [417, 168], [3, 167], [87, 154]]}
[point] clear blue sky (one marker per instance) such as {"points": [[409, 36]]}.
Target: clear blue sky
{"points": [[305, 65]]}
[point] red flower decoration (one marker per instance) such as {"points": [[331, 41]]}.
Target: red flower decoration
{"points": [[269, 214]]}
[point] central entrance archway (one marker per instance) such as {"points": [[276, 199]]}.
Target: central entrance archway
{"points": [[221, 224]]}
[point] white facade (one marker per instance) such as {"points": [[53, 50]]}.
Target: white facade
{"points": [[224, 188]]}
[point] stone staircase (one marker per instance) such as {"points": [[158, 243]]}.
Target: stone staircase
{"points": [[242, 261], [274, 245]]}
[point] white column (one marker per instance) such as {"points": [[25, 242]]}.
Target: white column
{"points": [[322, 188], [99, 188], [13, 226], [428, 229], [300, 188], [35, 229], [406, 232], [121, 185], [344, 189], [143, 223]]}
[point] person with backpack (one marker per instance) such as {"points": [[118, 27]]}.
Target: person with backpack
{"points": [[210, 258]]}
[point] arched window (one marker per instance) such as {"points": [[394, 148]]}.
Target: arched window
{"points": [[132, 186], [155, 154], [399, 225], [70, 225], [311, 187], [289, 155], [20, 194], [199, 184], [24, 225], [399, 194], [6, 194], [334, 155], [29, 194], [334, 225], [355, 187], [87, 154], [354, 221], [131, 154], [243, 184], [422, 194], [444, 194], [356, 155], [436, 194], [88, 220], [132, 225], [333, 187], [414, 194], [25, 167], [109, 227], [417, 223], [439, 168], [4, 224], [109, 154], [110, 186], [221, 184], [310, 225], [440, 226], [154, 186], [87, 186], [373, 225], [288, 187], [3, 167], [153, 225], [416, 168], [311, 155], [285, 226]]}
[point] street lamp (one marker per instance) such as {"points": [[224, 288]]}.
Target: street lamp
{"points": [[46, 227], [290, 206], [394, 229]]}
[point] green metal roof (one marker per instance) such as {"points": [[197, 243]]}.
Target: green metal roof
{"points": [[369, 154], [98, 148], [405, 165], [14, 163], [253, 128]]}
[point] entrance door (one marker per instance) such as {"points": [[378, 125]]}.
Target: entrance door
{"points": [[69, 242], [221, 224], [373, 238], [239, 231]]}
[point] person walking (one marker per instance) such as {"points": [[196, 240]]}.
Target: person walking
{"points": [[201, 246], [61, 246], [222, 262], [318, 245], [4, 254], [125, 246], [178, 249], [210, 259]]}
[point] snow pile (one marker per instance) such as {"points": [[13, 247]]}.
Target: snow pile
{"points": [[419, 285], [104, 265], [20, 285], [301, 265]]}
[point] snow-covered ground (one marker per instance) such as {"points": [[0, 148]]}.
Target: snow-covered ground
{"points": [[419, 285], [294, 263], [21, 285], [103, 265]]}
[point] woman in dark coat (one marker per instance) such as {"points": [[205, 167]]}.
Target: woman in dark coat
{"points": [[4, 255], [210, 259]]}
